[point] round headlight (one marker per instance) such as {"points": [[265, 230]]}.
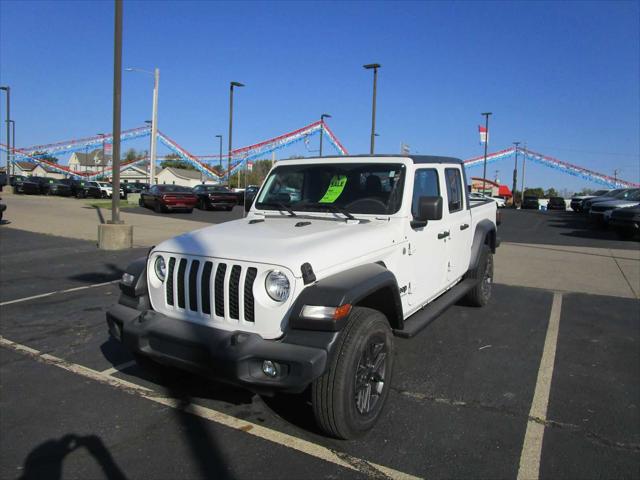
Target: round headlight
{"points": [[277, 286], [161, 268]]}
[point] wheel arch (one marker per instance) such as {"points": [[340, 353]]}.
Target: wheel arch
{"points": [[485, 234]]}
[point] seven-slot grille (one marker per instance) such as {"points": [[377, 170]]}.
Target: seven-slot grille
{"points": [[211, 288]]}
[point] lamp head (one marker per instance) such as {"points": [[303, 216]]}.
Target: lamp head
{"points": [[369, 66], [237, 84]]}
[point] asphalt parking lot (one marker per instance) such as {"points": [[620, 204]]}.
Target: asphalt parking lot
{"points": [[467, 399]]}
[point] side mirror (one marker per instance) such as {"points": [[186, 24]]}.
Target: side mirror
{"points": [[248, 201], [429, 208]]}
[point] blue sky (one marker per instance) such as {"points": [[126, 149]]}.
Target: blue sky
{"points": [[562, 76]]}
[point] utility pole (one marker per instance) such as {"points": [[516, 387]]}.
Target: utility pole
{"points": [[154, 126], [615, 178], [486, 143], [220, 157], [13, 148], [524, 159], [322, 117], [374, 67], [515, 176], [8, 119], [231, 85], [117, 103]]}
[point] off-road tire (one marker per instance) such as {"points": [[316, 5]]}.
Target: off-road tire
{"points": [[157, 208], [479, 295], [201, 204], [140, 202], [335, 395]]}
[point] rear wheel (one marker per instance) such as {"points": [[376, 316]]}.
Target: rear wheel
{"points": [[479, 295], [349, 397], [201, 204], [140, 202], [157, 207], [190, 210]]}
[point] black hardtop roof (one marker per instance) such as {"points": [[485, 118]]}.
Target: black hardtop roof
{"points": [[414, 158]]}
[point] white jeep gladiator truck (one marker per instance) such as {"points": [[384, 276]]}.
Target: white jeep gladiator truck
{"points": [[336, 257]]}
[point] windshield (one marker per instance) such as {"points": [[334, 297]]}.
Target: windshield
{"points": [[622, 194], [173, 188], [366, 188]]}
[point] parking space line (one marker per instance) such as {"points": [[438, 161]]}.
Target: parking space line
{"points": [[318, 451], [42, 295], [118, 368], [529, 468]]}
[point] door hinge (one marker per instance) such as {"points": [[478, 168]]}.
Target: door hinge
{"points": [[411, 250]]}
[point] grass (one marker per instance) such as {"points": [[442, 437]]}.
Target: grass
{"points": [[107, 204]]}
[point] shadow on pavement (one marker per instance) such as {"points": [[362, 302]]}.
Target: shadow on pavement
{"points": [[114, 273], [46, 460]]}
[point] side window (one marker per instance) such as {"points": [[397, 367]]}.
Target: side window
{"points": [[425, 184], [454, 189]]}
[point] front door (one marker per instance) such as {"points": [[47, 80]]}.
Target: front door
{"points": [[426, 253]]}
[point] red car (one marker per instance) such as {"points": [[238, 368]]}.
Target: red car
{"points": [[168, 198]]}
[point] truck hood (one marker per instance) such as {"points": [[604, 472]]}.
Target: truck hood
{"points": [[288, 241]]}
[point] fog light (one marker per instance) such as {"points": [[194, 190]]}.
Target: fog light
{"points": [[128, 279], [269, 368]]}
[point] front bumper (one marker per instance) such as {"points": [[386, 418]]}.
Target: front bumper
{"points": [[233, 357]]}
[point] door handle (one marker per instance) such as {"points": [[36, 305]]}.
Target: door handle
{"points": [[464, 226], [443, 235]]}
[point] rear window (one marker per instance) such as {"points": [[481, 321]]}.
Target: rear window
{"points": [[174, 189]]}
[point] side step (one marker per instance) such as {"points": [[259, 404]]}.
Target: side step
{"points": [[416, 322]]}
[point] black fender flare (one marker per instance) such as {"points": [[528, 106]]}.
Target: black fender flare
{"points": [[136, 295], [485, 234], [371, 285]]}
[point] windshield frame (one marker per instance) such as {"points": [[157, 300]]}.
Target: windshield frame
{"points": [[332, 209]]}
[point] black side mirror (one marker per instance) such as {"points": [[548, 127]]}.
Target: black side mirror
{"points": [[429, 208], [248, 201]]}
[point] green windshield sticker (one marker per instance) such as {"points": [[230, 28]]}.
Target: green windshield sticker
{"points": [[335, 189]]}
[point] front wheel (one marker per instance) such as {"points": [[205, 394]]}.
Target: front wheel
{"points": [[349, 397]]}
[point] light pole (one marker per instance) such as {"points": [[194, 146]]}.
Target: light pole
{"points": [[154, 119], [8, 90], [219, 137], [103, 160], [486, 143], [515, 176], [13, 149], [231, 85], [524, 159], [374, 67], [322, 117], [117, 105]]}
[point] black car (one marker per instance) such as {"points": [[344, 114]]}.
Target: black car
{"points": [[74, 185], [37, 185], [215, 196], [556, 203], [3, 207], [60, 188], [530, 202], [135, 187], [626, 221], [90, 190], [16, 179]]}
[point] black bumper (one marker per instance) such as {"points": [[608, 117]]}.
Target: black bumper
{"points": [[234, 357]]}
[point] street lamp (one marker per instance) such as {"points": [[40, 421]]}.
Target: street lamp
{"points": [[231, 85], [486, 143], [102, 162], [374, 67], [13, 149], [154, 118], [8, 90], [515, 176], [322, 117], [220, 157]]}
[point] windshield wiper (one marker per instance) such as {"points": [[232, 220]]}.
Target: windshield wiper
{"points": [[328, 206], [281, 207]]}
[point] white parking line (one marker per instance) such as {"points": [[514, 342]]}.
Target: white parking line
{"points": [[118, 368], [318, 451], [42, 295], [532, 445]]}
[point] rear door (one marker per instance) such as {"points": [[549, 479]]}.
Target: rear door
{"points": [[458, 218]]}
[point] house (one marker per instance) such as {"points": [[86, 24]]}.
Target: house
{"points": [[180, 176], [493, 189], [32, 169], [93, 161], [135, 173]]}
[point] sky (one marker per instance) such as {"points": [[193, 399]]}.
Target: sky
{"points": [[564, 77]]}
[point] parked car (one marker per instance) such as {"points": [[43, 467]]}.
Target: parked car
{"points": [[310, 293], [500, 203], [75, 185], [3, 207], [598, 211], [165, 198], [89, 190], [576, 200], [36, 185], [60, 188], [530, 202], [17, 182], [556, 203], [135, 187], [626, 221], [215, 197], [610, 195]]}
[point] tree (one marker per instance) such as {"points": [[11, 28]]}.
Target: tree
{"points": [[131, 155], [46, 157], [551, 193], [173, 160], [534, 192]]}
